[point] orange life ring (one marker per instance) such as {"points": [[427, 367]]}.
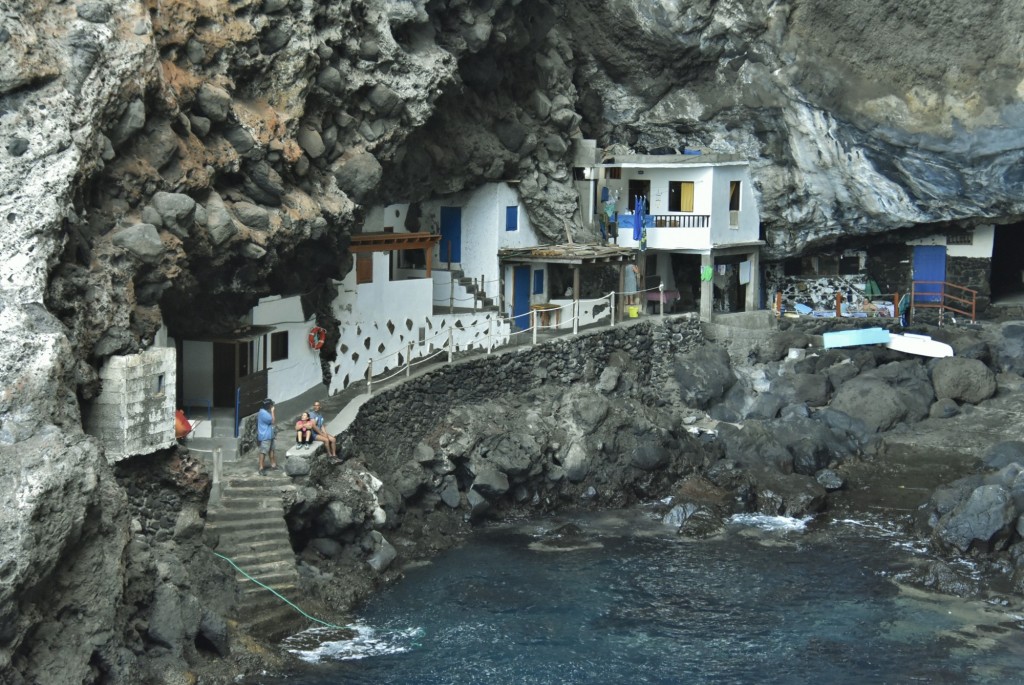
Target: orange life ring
{"points": [[317, 337]]}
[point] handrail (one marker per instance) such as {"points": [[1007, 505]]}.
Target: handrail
{"points": [[943, 295]]}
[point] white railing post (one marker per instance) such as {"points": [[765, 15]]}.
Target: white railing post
{"points": [[575, 317], [611, 297], [490, 323], [661, 299], [451, 292], [451, 345], [533, 324], [408, 360], [369, 377], [218, 467]]}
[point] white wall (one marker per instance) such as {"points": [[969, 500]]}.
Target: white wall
{"points": [[701, 176], [749, 221], [288, 378], [981, 247]]}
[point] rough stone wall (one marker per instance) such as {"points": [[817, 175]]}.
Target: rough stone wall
{"points": [[134, 413], [416, 406], [972, 273]]}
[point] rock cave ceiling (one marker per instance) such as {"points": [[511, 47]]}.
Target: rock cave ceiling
{"points": [[174, 161]]}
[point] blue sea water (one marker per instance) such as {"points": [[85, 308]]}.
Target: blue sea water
{"points": [[627, 601]]}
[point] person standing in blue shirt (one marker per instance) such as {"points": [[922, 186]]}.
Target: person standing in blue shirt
{"points": [[265, 434]]}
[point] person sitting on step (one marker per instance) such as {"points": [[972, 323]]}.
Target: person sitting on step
{"points": [[304, 431], [322, 435]]}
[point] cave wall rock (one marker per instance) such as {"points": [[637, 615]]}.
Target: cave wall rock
{"points": [[172, 162]]}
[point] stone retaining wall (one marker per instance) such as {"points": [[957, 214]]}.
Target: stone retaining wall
{"points": [[395, 420]]}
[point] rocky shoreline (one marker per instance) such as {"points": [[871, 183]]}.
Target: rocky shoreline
{"points": [[850, 432], [615, 418]]}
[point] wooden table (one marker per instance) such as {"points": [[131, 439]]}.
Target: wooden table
{"points": [[545, 309]]}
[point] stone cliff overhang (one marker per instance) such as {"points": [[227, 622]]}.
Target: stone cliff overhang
{"points": [[577, 255]]}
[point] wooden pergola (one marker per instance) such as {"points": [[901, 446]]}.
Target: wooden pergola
{"points": [[385, 242], [575, 255]]}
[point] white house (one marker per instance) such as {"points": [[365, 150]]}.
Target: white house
{"points": [[268, 356], [701, 222]]}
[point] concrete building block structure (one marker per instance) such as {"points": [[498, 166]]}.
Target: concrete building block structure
{"points": [[134, 413]]}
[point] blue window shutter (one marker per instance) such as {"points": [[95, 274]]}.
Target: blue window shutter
{"points": [[538, 282], [512, 218]]}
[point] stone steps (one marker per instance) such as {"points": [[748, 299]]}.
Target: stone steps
{"points": [[249, 524]]}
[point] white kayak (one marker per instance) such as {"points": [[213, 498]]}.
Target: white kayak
{"points": [[912, 343]]}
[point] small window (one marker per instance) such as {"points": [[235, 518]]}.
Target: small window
{"points": [[278, 346], [158, 384], [538, 282], [512, 218], [960, 238], [734, 204], [613, 173], [680, 196]]}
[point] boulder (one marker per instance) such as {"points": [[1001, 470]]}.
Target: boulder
{"points": [[965, 380], [450, 494], [131, 122], [94, 12], [944, 409], [383, 553], [410, 479], [703, 375], [297, 466], [792, 495], [263, 184], [142, 240], [219, 222], [807, 388], [489, 481], [871, 401], [575, 464], [983, 521], [214, 102], [357, 175], [1004, 453], [214, 629], [177, 212], [310, 141], [327, 547], [336, 517], [424, 453], [830, 480], [252, 215]]}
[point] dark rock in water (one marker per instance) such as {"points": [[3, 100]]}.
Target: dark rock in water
{"points": [[966, 380], [565, 530], [1004, 453], [787, 495], [383, 553], [944, 409], [984, 521], [703, 523], [941, 577]]}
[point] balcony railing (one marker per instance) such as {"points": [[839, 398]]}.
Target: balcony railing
{"points": [[680, 220]]}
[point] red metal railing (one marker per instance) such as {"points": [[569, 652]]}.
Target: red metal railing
{"points": [[946, 297]]}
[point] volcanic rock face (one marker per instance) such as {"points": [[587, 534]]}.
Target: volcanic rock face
{"points": [[171, 162]]}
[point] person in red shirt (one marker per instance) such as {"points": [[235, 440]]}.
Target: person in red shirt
{"points": [[305, 428]]}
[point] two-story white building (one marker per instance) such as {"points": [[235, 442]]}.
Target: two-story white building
{"points": [[700, 230]]}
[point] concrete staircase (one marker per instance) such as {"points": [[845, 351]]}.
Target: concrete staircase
{"points": [[473, 290], [250, 527]]}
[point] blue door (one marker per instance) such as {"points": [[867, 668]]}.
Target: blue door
{"points": [[521, 296], [929, 265], [451, 234]]}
